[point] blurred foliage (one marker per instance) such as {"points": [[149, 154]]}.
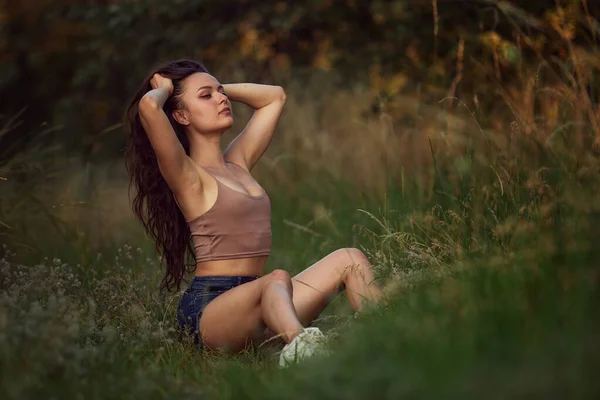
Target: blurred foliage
{"points": [[75, 64], [452, 81]]}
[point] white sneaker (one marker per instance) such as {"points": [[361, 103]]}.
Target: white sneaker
{"points": [[309, 342]]}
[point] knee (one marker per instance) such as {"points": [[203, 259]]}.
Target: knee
{"points": [[278, 277], [353, 262], [354, 256]]}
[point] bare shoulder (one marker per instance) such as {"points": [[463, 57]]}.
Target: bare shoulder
{"points": [[236, 160], [237, 164]]}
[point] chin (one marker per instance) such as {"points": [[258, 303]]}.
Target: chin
{"points": [[228, 124]]}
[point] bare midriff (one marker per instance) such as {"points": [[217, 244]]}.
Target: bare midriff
{"points": [[252, 266]]}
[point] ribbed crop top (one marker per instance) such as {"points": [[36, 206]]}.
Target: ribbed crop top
{"points": [[238, 225]]}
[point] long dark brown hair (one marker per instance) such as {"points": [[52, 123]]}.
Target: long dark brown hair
{"points": [[153, 203]]}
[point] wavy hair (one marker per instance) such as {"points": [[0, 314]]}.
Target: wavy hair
{"points": [[153, 203]]}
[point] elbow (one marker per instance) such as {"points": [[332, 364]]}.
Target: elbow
{"points": [[147, 105], [281, 94]]}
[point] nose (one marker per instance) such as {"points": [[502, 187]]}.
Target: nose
{"points": [[223, 98]]}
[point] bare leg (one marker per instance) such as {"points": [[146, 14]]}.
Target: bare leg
{"points": [[346, 268], [240, 315], [277, 308]]}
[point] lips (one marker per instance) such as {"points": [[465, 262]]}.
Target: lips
{"points": [[225, 110]]}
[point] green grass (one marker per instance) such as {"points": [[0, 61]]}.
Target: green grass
{"points": [[487, 243], [492, 296]]}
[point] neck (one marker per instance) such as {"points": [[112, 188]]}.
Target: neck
{"points": [[205, 150]]}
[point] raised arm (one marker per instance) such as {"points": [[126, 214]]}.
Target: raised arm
{"points": [[268, 101], [173, 163]]}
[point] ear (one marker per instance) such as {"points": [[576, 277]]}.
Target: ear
{"points": [[179, 116]]}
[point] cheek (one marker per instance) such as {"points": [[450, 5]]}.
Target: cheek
{"points": [[205, 117], [201, 112], [200, 109], [209, 121], [203, 121]]}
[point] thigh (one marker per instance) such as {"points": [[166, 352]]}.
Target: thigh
{"points": [[190, 309], [233, 319], [316, 286]]}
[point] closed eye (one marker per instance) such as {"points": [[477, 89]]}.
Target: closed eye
{"points": [[209, 95]]}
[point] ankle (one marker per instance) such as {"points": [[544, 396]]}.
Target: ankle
{"points": [[291, 335]]}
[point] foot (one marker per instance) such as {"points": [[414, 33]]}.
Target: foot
{"points": [[309, 342]]}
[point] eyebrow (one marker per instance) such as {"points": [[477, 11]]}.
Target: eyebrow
{"points": [[220, 87]]}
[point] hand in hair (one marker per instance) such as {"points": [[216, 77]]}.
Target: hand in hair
{"points": [[159, 81]]}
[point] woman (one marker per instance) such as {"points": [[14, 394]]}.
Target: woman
{"points": [[187, 188]]}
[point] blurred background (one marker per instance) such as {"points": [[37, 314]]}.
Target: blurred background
{"points": [[373, 87], [456, 142]]}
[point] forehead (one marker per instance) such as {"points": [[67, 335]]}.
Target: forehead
{"points": [[199, 79]]}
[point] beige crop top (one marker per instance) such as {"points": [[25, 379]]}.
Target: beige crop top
{"points": [[238, 225]]}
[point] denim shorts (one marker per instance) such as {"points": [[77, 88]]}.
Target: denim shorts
{"points": [[203, 290]]}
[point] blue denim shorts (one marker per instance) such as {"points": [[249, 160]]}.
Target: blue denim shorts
{"points": [[203, 290]]}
